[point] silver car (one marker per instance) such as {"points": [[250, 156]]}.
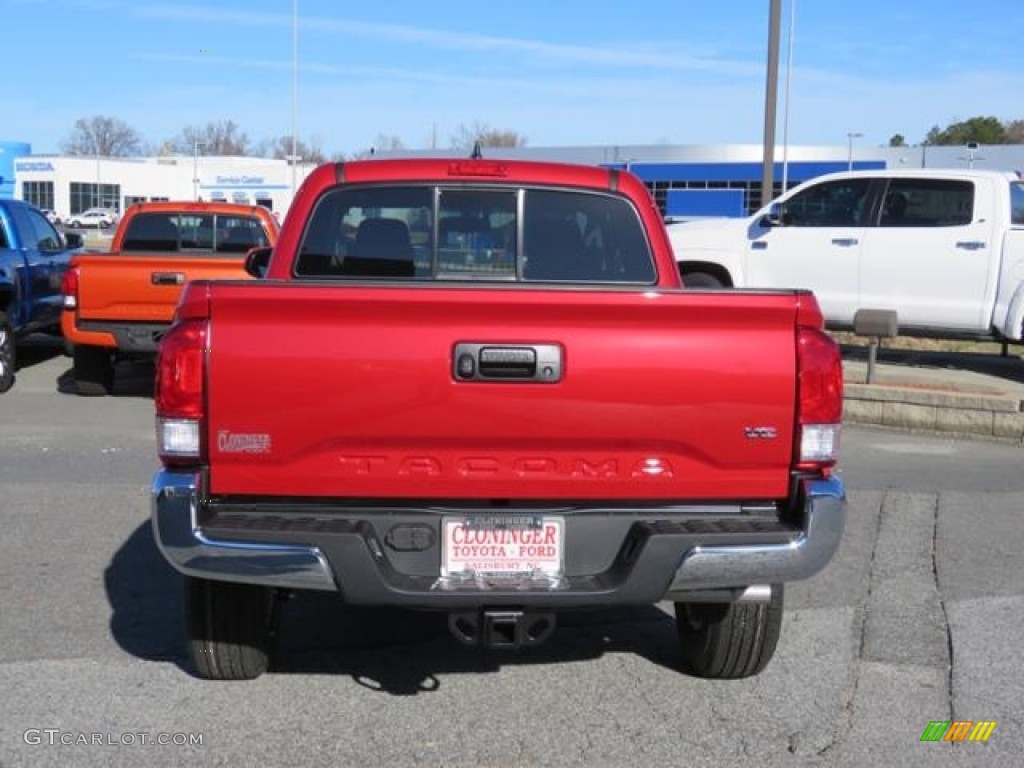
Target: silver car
{"points": [[101, 218]]}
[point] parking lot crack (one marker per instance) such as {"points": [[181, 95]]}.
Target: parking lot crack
{"points": [[848, 706], [865, 601], [942, 608]]}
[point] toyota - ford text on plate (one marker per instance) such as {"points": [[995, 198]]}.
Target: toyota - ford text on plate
{"points": [[482, 390]]}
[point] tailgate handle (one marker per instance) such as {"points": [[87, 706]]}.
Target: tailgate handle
{"points": [[480, 361], [167, 278]]}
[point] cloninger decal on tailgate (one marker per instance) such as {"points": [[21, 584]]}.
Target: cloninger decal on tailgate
{"points": [[242, 442]]}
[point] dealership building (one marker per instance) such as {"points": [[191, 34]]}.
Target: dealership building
{"points": [[70, 184], [685, 180]]}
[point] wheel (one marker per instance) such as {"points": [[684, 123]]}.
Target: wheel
{"points": [[230, 628], [701, 280], [94, 370], [727, 641], [8, 355], [74, 224]]}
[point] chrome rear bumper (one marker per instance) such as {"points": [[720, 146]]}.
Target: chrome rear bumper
{"points": [[666, 567], [175, 506], [824, 511]]}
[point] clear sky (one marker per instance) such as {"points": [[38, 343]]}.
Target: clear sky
{"points": [[558, 72]]}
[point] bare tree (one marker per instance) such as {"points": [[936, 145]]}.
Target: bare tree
{"points": [[166, 147], [466, 137], [383, 143], [1015, 132], [221, 137], [103, 136], [281, 148]]}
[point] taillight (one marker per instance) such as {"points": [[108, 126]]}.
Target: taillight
{"points": [[819, 399], [180, 402], [69, 287]]}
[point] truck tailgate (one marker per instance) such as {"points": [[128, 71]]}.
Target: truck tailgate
{"points": [[328, 391], [144, 287]]}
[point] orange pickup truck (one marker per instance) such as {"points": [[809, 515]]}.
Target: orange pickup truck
{"points": [[120, 303]]}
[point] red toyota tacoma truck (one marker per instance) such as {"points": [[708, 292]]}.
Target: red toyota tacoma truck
{"points": [[483, 390]]}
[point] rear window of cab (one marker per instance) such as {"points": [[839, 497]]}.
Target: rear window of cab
{"points": [[185, 232], [429, 232]]}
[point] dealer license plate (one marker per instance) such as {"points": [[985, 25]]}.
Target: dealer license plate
{"points": [[503, 546]]}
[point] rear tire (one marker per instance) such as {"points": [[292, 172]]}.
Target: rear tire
{"points": [[94, 370], [8, 353], [728, 641], [701, 280], [230, 628]]}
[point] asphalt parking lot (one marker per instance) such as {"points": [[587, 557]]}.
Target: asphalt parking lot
{"points": [[917, 620]]}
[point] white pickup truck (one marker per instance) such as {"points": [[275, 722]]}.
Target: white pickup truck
{"points": [[944, 249]]}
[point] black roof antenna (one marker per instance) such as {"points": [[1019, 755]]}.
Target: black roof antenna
{"points": [[477, 152]]}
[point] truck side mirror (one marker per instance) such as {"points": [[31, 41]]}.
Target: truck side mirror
{"points": [[774, 217], [73, 241], [257, 260]]}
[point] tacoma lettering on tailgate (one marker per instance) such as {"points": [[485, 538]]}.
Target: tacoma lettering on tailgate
{"points": [[486, 466]]}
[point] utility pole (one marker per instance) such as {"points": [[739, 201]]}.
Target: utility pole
{"points": [[771, 102]]}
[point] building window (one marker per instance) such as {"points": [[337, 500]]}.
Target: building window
{"points": [[39, 193], [85, 195], [751, 191]]}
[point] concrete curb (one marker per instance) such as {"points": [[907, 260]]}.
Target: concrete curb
{"points": [[933, 411]]}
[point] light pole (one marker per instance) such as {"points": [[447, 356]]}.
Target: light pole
{"points": [[293, 160], [195, 167], [98, 198], [295, 90], [850, 136], [972, 149], [785, 114]]}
